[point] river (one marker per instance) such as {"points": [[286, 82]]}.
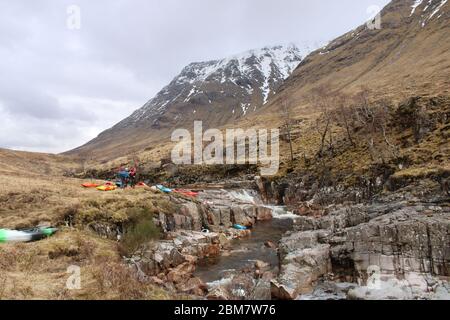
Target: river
{"points": [[244, 252]]}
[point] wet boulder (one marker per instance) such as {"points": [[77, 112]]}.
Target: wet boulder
{"points": [[300, 270], [264, 213]]}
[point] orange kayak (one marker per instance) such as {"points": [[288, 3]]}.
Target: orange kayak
{"points": [[90, 185]]}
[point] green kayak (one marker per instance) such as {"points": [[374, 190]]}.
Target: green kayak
{"points": [[25, 235]]}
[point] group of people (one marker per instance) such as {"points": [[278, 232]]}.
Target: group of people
{"points": [[127, 177]]}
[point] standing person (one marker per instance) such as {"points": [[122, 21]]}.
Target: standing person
{"points": [[133, 173], [124, 176]]}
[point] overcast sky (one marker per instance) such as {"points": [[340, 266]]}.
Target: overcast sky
{"points": [[61, 85]]}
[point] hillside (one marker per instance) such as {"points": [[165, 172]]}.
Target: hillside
{"points": [[409, 55], [30, 163]]}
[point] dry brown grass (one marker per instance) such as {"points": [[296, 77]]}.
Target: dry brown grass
{"points": [[38, 270]]}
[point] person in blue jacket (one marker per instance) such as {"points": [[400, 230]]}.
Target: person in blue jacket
{"points": [[124, 176]]}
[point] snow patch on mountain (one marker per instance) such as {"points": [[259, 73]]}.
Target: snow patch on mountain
{"points": [[416, 4], [434, 5], [282, 58], [443, 2], [247, 77]]}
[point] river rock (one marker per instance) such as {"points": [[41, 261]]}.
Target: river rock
{"points": [[224, 240], [181, 273], [218, 293], [264, 214], [190, 209], [241, 286], [270, 244], [225, 217], [261, 265], [182, 251], [300, 270], [244, 216], [261, 291], [193, 286], [329, 291]]}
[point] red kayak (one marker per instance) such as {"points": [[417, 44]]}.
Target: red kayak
{"points": [[186, 192], [141, 184]]}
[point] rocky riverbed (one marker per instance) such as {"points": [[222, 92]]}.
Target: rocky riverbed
{"points": [[201, 246], [395, 246]]}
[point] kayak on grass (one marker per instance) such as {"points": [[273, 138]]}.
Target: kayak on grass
{"points": [[90, 185], [163, 189], [106, 188], [26, 235], [142, 184]]}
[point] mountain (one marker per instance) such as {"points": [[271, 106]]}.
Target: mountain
{"points": [[373, 102], [409, 55], [217, 92]]}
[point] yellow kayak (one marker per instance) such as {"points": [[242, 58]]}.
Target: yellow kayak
{"points": [[106, 188]]}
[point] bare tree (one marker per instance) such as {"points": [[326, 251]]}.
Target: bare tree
{"points": [[344, 115], [288, 124], [374, 118], [323, 101], [366, 117]]}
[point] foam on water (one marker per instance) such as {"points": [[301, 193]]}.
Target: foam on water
{"points": [[280, 212], [246, 196]]}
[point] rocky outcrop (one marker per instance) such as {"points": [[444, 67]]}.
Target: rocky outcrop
{"points": [[389, 240], [303, 261], [215, 210], [223, 209]]}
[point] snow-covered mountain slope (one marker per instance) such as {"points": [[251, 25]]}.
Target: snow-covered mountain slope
{"points": [[217, 92], [409, 55], [247, 80], [428, 9]]}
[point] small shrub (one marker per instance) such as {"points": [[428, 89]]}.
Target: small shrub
{"points": [[66, 215], [93, 203], [139, 230]]}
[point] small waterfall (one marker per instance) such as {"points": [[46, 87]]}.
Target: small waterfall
{"points": [[253, 197], [245, 196], [242, 196], [280, 212]]}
